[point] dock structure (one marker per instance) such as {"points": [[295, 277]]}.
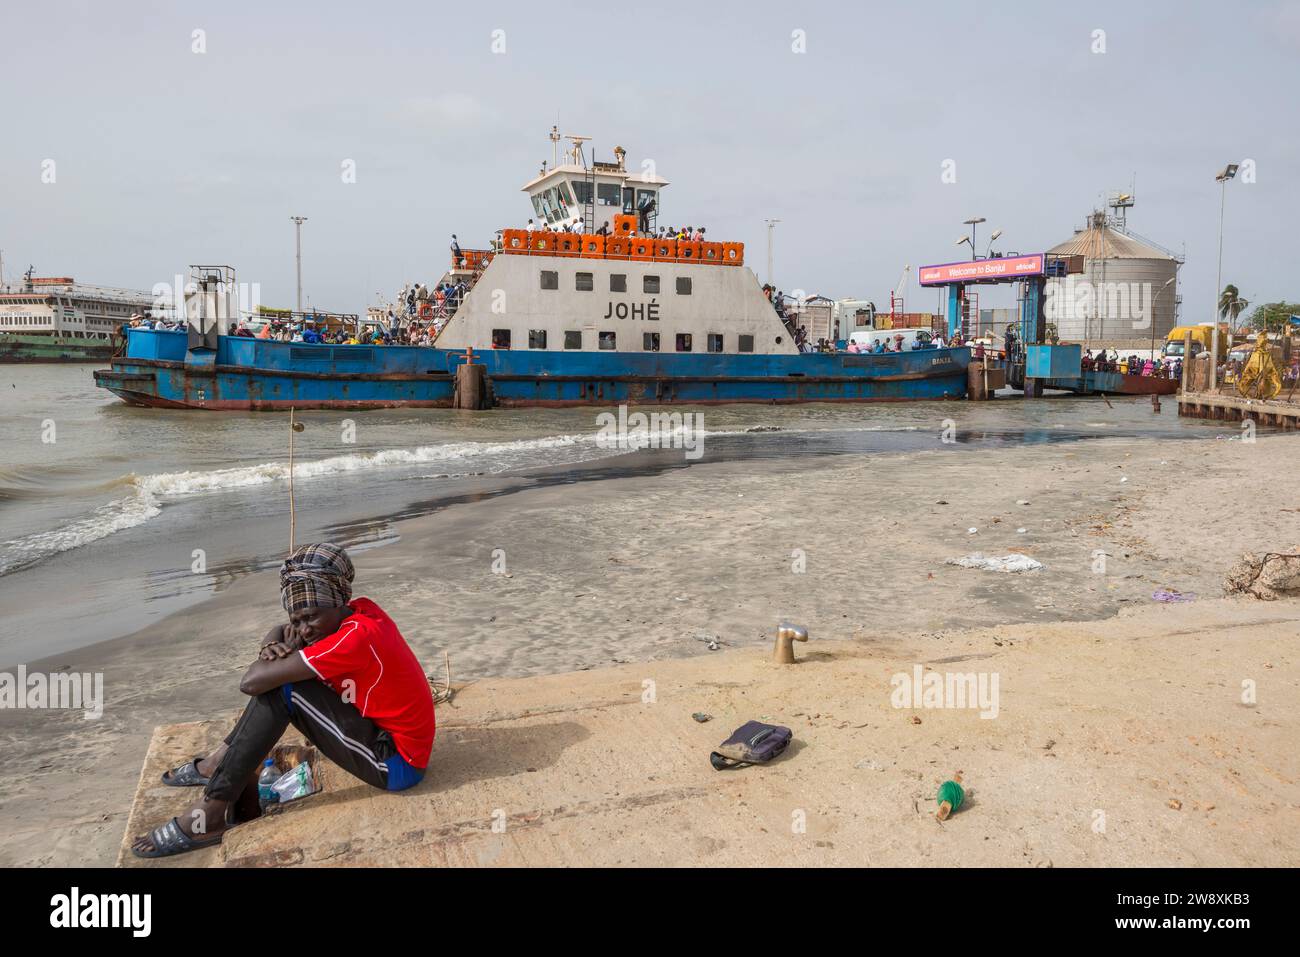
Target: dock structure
{"points": [[1282, 412]]}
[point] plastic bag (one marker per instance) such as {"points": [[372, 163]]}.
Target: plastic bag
{"points": [[295, 784], [1015, 562]]}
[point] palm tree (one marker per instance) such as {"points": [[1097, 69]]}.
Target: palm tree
{"points": [[1231, 305]]}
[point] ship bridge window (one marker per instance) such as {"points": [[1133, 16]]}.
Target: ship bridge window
{"points": [[683, 342], [500, 338], [582, 191], [650, 341], [746, 344], [555, 202], [536, 338], [617, 282], [607, 340], [573, 339], [608, 194], [550, 279], [629, 199], [683, 285], [651, 284], [583, 282], [715, 342]]}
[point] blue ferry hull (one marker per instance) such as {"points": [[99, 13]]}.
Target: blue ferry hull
{"points": [[253, 374]]}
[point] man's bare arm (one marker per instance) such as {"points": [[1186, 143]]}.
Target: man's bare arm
{"points": [[263, 675]]}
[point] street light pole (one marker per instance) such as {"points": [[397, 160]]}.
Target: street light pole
{"points": [[972, 223], [771, 225], [1155, 299], [1227, 173], [297, 228]]}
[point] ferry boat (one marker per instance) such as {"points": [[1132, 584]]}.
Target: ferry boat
{"points": [[608, 313], [56, 319]]}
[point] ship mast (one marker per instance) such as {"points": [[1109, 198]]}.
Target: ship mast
{"points": [[555, 138]]}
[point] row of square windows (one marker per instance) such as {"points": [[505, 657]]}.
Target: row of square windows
{"points": [[585, 282], [714, 341]]}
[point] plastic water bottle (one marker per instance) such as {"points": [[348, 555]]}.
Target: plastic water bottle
{"points": [[266, 794]]}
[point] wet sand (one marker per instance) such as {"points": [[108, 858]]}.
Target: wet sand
{"points": [[653, 567]]}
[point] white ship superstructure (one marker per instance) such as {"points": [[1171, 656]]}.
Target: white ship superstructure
{"points": [[62, 307]]}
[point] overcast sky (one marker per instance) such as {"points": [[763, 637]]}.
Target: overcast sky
{"points": [[164, 156]]}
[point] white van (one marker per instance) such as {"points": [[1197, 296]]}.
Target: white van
{"points": [[914, 337]]}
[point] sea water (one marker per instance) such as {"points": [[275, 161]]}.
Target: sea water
{"points": [[113, 516]]}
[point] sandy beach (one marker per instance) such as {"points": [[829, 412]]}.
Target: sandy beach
{"points": [[639, 570]]}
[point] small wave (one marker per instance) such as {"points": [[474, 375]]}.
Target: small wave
{"points": [[147, 494], [111, 517]]}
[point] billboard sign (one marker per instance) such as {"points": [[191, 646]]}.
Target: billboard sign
{"points": [[983, 270]]}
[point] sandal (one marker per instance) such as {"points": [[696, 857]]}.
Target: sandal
{"points": [[168, 840], [186, 776]]}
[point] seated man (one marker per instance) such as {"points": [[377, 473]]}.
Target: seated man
{"points": [[341, 673]]}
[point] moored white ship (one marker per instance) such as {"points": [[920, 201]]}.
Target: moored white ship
{"points": [[56, 319]]}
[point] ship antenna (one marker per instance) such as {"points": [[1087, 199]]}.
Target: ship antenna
{"points": [[554, 136]]}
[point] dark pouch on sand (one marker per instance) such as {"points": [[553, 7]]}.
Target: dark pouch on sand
{"points": [[752, 743]]}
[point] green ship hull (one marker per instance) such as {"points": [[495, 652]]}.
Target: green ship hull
{"points": [[35, 347]]}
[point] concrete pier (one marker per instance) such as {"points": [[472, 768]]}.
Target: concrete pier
{"points": [[1278, 412]]}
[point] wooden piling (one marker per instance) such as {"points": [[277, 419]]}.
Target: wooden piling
{"points": [[470, 386]]}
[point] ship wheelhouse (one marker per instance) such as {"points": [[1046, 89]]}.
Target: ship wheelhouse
{"points": [[588, 195], [591, 275]]}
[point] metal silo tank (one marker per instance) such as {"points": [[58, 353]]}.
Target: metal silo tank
{"points": [[1118, 266], [1116, 283]]}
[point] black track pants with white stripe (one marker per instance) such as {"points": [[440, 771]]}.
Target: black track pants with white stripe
{"points": [[336, 727]]}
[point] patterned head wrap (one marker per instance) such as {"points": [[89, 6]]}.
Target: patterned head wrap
{"points": [[316, 576]]}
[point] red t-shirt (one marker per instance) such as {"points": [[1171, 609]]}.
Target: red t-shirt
{"points": [[369, 663]]}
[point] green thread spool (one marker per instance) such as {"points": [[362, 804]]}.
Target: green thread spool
{"points": [[949, 800]]}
